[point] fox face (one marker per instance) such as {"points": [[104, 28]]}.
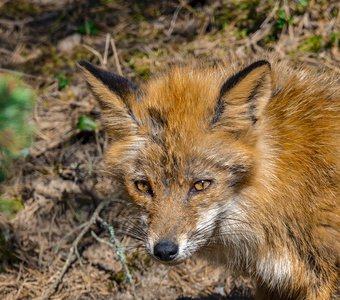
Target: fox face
{"points": [[184, 194], [183, 144]]}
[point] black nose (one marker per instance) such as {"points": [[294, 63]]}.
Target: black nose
{"points": [[165, 250]]}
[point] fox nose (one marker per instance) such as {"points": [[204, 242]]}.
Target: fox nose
{"points": [[165, 250]]}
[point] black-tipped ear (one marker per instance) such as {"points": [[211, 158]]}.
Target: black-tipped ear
{"points": [[116, 83], [115, 95], [243, 97]]}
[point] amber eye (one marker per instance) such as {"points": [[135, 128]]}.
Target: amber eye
{"points": [[143, 186], [201, 185]]}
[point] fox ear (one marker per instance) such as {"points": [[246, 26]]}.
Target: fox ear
{"points": [[243, 98], [115, 94]]}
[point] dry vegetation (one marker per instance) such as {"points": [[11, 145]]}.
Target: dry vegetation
{"points": [[60, 182]]}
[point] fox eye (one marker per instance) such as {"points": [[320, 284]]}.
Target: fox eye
{"points": [[143, 186], [201, 185]]}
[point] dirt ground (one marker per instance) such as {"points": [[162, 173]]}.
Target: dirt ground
{"points": [[61, 181]]}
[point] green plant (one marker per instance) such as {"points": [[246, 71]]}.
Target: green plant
{"points": [[334, 40], [85, 123], [312, 43], [16, 104], [63, 80], [89, 28], [282, 19], [9, 207]]}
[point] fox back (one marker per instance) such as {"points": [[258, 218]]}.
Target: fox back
{"points": [[237, 162]]}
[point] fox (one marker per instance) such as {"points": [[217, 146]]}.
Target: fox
{"points": [[237, 162]]}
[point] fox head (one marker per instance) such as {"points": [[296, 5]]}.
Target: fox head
{"points": [[183, 145]]}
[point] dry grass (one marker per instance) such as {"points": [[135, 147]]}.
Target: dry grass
{"points": [[57, 179]]}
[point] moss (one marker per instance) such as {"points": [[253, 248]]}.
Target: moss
{"points": [[223, 18], [111, 286], [140, 67], [137, 12], [52, 61], [241, 34], [333, 41], [80, 53], [312, 43], [242, 14], [119, 277], [147, 260], [138, 260], [334, 12], [21, 9], [10, 207]]}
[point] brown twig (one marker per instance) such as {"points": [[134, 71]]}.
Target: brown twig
{"points": [[115, 54], [95, 52], [116, 247], [173, 21], [72, 253], [106, 51]]}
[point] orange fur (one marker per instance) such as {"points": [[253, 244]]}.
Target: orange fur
{"points": [[268, 138]]}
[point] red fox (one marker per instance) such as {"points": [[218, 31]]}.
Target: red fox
{"points": [[238, 162]]}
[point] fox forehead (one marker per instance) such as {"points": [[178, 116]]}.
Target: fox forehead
{"points": [[176, 111], [182, 98]]}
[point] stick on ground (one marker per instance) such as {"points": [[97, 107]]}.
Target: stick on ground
{"points": [[71, 255], [117, 247]]}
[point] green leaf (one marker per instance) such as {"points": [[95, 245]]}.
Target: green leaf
{"points": [[63, 80], [282, 19], [85, 123], [88, 28], [280, 23], [282, 15]]}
